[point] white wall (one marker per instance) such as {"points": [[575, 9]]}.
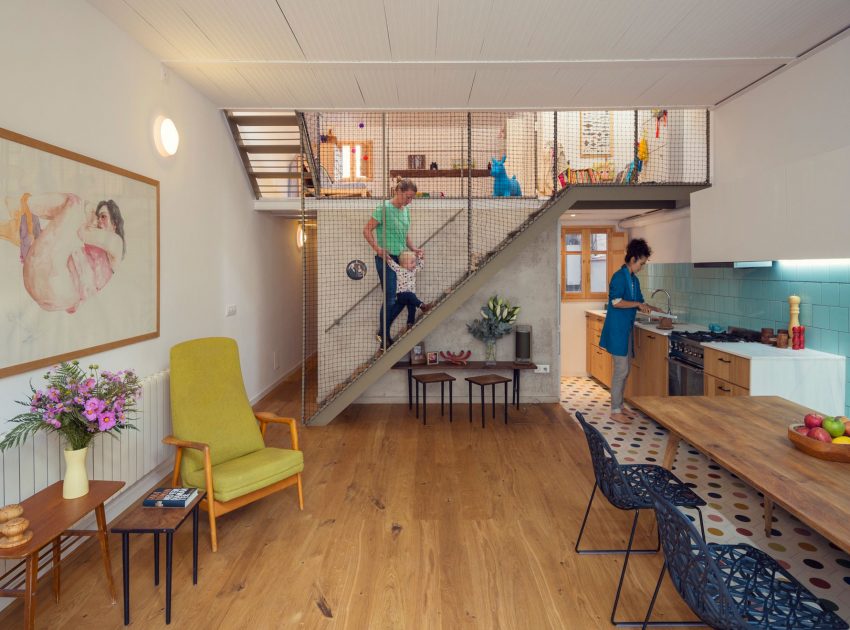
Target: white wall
{"points": [[73, 79], [669, 236], [782, 162]]}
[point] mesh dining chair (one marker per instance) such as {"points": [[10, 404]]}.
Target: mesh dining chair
{"points": [[626, 488], [732, 587]]}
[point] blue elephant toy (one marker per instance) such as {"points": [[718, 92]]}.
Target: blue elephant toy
{"points": [[502, 186]]}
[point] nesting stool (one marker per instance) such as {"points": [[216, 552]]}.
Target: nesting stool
{"points": [[482, 381], [433, 377]]}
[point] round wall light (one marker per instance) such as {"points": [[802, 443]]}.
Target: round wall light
{"points": [[166, 137], [300, 237]]}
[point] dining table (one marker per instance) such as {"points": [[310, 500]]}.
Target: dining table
{"points": [[748, 436]]}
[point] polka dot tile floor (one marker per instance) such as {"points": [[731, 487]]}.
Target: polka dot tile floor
{"points": [[735, 511]]}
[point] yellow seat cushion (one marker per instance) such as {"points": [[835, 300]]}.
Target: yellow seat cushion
{"points": [[242, 475]]}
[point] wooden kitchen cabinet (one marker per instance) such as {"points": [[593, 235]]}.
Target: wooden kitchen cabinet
{"points": [[599, 362], [725, 374], [649, 365], [718, 387]]}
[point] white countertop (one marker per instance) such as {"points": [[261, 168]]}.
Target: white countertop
{"points": [[686, 327], [760, 351]]}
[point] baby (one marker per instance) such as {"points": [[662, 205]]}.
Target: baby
{"points": [[406, 269]]}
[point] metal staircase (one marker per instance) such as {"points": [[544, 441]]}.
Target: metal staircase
{"points": [[545, 218]]}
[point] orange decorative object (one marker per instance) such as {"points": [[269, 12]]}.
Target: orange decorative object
{"points": [[822, 450], [458, 358]]}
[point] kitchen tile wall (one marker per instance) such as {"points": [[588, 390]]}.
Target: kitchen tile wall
{"points": [[758, 298]]}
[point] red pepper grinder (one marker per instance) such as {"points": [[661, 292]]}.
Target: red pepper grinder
{"points": [[795, 338], [802, 338]]}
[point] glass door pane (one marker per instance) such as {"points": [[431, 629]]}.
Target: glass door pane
{"points": [[599, 241], [599, 273], [572, 241], [572, 273]]}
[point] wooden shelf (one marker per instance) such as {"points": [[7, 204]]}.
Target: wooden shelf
{"points": [[454, 172]]}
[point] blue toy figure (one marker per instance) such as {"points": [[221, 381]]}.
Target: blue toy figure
{"points": [[502, 186]]}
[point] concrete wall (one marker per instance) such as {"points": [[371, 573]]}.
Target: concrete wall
{"points": [[531, 281]]}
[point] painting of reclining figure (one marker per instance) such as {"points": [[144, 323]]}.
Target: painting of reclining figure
{"points": [[79, 255]]}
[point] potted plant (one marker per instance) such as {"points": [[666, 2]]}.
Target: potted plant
{"points": [[78, 405], [497, 319]]}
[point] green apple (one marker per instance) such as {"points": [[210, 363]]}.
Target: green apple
{"points": [[833, 426]]}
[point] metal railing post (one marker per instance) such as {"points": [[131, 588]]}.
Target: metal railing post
{"points": [[468, 191], [555, 154], [707, 147]]}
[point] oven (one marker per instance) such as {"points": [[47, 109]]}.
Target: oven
{"points": [[684, 378]]}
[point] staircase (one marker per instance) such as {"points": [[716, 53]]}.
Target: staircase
{"points": [[542, 220]]}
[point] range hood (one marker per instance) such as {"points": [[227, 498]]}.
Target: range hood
{"points": [[741, 264]]}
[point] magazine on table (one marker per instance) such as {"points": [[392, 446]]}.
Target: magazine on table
{"points": [[170, 497]]}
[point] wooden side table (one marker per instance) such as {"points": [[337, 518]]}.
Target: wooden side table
{"points": [[433, 377], [156, 521], [483, 381], [50, 516]]}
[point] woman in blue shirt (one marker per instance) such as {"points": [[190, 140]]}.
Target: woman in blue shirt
{"points": [[624, 301]]}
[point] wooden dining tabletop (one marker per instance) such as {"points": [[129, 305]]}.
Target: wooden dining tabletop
{"points": [[748, 436]]}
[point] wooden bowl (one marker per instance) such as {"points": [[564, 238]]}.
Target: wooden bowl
{"points": [[816, 448], [8, 512]]}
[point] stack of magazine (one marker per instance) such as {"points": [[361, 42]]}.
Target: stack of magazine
{"points": [[170, 497]]}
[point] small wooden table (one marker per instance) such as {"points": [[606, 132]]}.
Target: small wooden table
{"points": [[747, 435], [433, 377], [156, 521], [471, 365], [50, 516]]}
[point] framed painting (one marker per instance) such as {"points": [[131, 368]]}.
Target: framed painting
{"points": [[596, 129], [79, 255]]}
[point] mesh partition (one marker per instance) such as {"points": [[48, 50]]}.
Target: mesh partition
{"points": [[479, 177]]}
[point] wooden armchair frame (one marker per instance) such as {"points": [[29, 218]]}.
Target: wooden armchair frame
{"points": [[216, 508]]}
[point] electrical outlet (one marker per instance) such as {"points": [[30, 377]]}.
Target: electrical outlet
{"points": [[274, 361], [542, 369], [230, 310]]}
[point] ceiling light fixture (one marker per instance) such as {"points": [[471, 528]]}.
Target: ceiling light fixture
{"points": [[166, 136]]}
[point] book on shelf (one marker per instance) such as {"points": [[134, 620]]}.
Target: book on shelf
{"points": [[170, 497]]}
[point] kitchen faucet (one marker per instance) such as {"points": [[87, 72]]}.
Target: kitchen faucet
{"points": [[669, 312]]}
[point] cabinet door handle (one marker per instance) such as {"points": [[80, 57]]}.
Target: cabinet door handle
{"points": [[650, 337], [723, 389], [722, 360]]}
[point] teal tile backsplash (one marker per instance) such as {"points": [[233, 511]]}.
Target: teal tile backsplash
{"points": [[758, 298]]}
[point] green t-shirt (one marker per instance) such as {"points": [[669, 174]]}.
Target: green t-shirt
{"points": [[397, 225]]}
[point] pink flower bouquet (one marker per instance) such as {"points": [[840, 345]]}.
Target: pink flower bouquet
{"points": [[78, 405]]}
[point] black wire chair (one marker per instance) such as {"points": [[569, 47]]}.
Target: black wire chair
{"points": [[626, 488], [732, 586]]}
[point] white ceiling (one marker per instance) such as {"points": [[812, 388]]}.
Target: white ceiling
{"points": [[475, 54]]}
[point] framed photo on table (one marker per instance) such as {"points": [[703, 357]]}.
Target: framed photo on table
{"points": [[433, 358], [79, 255]]}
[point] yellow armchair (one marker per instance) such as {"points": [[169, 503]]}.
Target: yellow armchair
{"points": [[220, 440]]}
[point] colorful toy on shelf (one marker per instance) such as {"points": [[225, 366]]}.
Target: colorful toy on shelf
{"points": [[502, 186], [456, 358]]}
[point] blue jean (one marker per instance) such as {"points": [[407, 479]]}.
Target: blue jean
{"points": [[389, 295], [404, 300]]}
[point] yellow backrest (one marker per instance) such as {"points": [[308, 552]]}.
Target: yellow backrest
{"points": [[209, 403]]}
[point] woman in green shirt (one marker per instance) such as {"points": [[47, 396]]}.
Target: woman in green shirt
{"points": [[387, 234]]}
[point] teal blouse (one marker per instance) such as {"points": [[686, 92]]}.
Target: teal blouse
{"points": [[619, 321]]}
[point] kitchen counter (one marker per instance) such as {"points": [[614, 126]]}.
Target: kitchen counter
{"points": [[687, 327], [808, 377]]}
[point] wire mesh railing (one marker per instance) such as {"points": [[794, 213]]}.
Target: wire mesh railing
{"points": [[408, 204]]}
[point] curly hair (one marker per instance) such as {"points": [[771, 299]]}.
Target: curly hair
{"points": [[637, 248]]}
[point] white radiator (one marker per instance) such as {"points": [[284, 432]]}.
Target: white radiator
{"points": [[129, 457]]}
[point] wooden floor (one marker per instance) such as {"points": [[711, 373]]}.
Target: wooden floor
{"points": [[404, 526]]}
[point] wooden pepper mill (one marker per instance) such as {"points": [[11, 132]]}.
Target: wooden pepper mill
{"points": [[794, 315]]}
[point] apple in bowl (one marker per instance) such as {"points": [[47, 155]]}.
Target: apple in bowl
{"points": [[820, 434], [813, 420]]}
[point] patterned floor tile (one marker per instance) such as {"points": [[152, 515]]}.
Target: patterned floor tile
{"points": [[734, 511]]}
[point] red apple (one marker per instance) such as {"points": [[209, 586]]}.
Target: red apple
{"points": [[813, 420], [802, 429], [819, 433]]}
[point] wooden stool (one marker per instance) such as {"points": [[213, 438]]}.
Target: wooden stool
{"points": [[483, 381], [433, 377]]}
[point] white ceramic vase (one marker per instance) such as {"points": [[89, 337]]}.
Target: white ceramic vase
{"points": [[76, 482]]}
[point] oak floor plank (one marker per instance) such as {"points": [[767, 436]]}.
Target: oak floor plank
{"points": [[442, 526]]}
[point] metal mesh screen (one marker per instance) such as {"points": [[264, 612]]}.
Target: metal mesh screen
{"points": [[479, 177]]}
